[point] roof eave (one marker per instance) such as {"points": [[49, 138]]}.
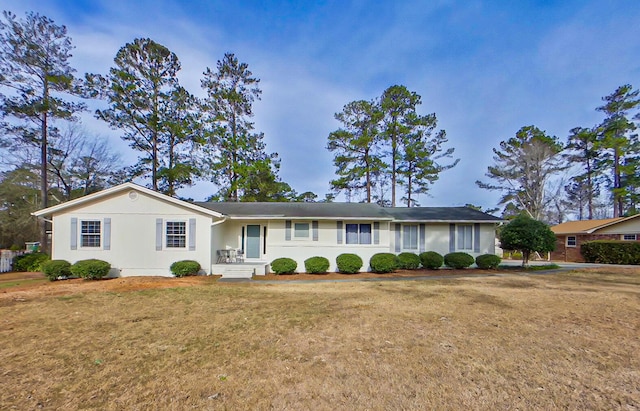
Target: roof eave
{"points": [[112, 190]]}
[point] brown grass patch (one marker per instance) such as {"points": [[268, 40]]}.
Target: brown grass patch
{"points": [[542, 342]]}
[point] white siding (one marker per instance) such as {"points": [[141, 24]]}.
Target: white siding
{"points": [[228, 235], [626, 227], [133, 235]]}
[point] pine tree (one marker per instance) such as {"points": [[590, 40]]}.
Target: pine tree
{"points": [[35, 77]]}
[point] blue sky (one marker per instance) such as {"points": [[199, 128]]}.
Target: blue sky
{"points": [[486, 68]]}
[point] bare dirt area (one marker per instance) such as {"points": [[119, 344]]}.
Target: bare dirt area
{"points": [[561, 341]]}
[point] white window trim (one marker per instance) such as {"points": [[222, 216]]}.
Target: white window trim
{"points": [[293, 231], [81, 235], [635, 237], [358, 223], [575, 239], [467, 250], [165, 235], [404, 246]]}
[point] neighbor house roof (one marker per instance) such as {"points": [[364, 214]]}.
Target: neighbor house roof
{"points": [[583, 226], [347, 211], [119, 188]]}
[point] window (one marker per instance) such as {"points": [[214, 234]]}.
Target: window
{"points": [[572, 241], [301, 230], [90, 233], [176, 234], [358, 233], [629, 237], [410, 237], [465, 237]]}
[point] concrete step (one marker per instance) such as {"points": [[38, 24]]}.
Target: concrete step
{"points": [[240, 270]]}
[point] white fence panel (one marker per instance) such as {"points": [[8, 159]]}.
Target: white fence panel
{"points": [[6, 260]]}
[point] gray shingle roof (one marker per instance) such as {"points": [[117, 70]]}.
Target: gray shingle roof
{"points": [[439, 214], [346, 211]]}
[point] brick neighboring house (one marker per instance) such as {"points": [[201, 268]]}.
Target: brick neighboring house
{"points": [[572, 234]]}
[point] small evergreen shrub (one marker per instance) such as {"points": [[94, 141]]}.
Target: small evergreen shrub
{"points": [[383, 263], [284, 266], [316, 265], [431, 260], [185, 267], [91, 269], [30, 262], [52, 269], [349, 263], [488, 261], [408, 261], [611, 252], [458, 260]]}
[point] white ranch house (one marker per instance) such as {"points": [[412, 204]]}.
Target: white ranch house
{"points": [[142, 232]]}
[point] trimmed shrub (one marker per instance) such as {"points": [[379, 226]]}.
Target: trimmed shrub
{"points": [[316, 265], [52, 269], [488, 261], [30, 262], [431, 260], [408, 261], [383, 263], [284, 266], [458, 260], [611, 252], [349, 263], [91, 269], [185, 267]]}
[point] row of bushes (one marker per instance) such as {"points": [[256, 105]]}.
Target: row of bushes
{"points": [[611, 252], [96, 269], [31, 262], [387, 262], [92, 269]]}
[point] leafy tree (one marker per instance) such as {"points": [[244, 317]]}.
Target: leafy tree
{"points": [[35, 78], [525, 234], [263, 184], [618, 146], [148, 105], [418, 166], [234, 153], [19, 197], [523, 167], [307, 197], [355, 143]]}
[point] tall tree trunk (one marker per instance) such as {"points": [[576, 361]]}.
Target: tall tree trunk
{"points": [[170, 176], [368, 175], [589, 193], [154, 160], [394, 150], [617, 199], [409, 190], [44, 183]]}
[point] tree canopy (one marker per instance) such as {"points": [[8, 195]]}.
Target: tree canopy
{"points": [[523, 167], [385, 141], [525, 234]]}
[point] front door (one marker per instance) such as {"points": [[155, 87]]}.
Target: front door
{"points": [[253, 241]]}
